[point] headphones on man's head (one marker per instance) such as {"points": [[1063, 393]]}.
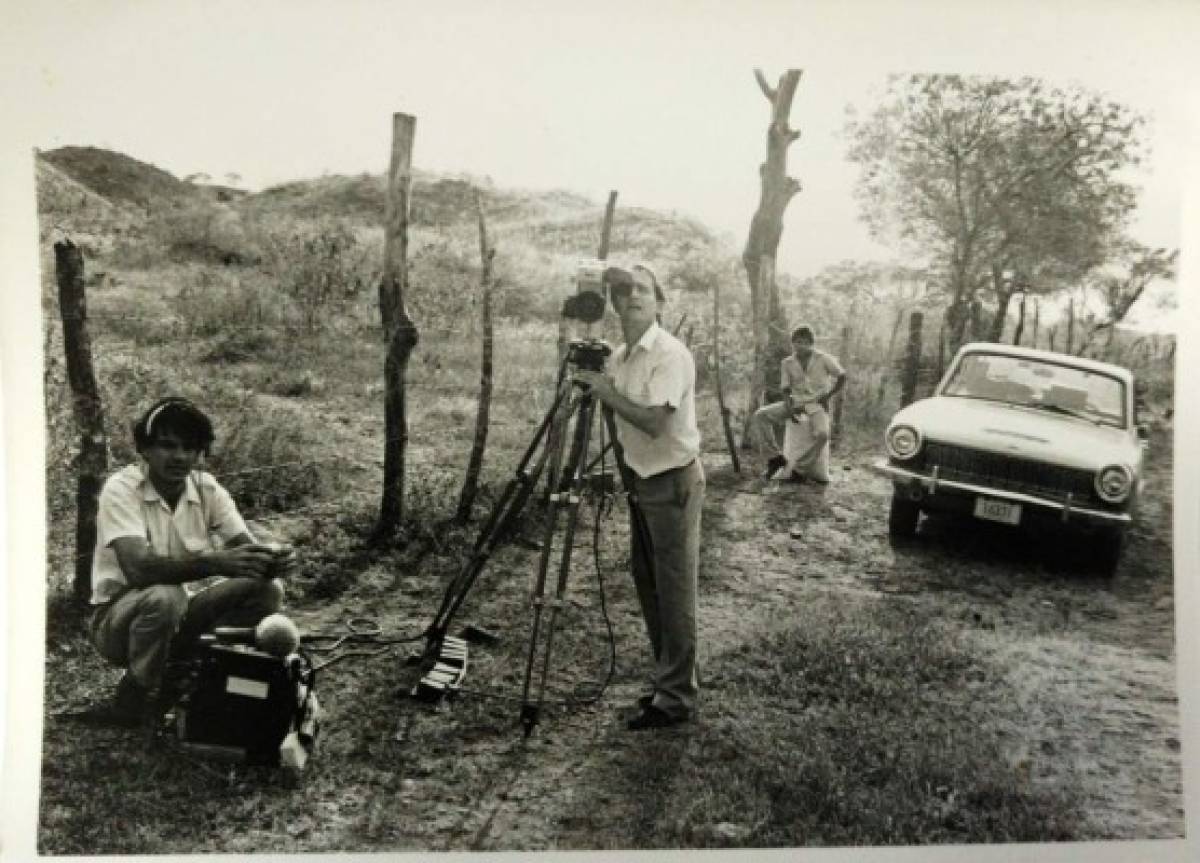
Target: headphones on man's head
{"points": [[143, 429]]}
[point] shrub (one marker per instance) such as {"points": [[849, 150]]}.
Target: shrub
{"points": [[322, 267], [204, 231], [216, 302], [263, 456]]}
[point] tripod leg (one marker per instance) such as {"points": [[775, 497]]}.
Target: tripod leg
{"points": [[555, 445], [571, 496], [512, 502]]}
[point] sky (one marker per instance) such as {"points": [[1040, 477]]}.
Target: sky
{"points": [[656, 100]]}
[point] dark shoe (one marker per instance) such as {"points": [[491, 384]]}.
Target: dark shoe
{"points": [[645, 701], [774, 464], [128, 708], [653, 717], [798, 478]]}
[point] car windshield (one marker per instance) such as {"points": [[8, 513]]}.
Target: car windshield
{"points": [[1037, 383]]}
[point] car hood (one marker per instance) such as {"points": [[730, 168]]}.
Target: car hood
{"points": [[1023, 432]]}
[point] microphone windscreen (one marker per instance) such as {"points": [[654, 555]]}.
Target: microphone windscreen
{"points": [[277, 635]]}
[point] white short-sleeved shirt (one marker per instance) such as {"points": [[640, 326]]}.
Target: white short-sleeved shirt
{"points": [[131, 506], [658, 370], [811, 382]]}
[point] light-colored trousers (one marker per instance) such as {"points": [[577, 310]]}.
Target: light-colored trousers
{"points": [[765, 420], [670, 505], [138, 629]]}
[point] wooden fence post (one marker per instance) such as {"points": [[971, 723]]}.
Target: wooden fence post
{"points": [[1020, 330], [887, 359], [912, 360], [399, 330], [87, 407], [835, 433], [726, 422], [1070, 346], [483, 415], [610, 209]]}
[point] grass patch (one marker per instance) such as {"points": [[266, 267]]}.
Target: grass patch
{"points": [[860, 723]]}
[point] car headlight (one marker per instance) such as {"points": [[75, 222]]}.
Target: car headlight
{"points": [[902, 442], [1113, 483]]}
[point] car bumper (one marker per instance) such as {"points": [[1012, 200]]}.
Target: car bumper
{"points": [[929, 487]]}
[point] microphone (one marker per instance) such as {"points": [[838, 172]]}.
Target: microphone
{"points": [[275, 634]]}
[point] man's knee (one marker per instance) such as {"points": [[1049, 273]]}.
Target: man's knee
{"points": [[166, 602], [820, 435], [271, 595]]}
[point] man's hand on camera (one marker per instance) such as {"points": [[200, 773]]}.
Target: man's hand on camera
{"points": [[599, 383], [244, 561], [284, 561]]}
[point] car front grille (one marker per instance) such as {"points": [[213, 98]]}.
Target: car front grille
{"points": [[1009, 473]]}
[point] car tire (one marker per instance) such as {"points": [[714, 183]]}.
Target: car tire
{"points": [[1109, 545], [902, 520]]}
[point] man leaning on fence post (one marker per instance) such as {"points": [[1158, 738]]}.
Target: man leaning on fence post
{"points": [[154, 527], [810, 378], [652, 394]]}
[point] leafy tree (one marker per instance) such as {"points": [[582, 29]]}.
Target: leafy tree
{"points": [[988, 176], [1120, 285]]}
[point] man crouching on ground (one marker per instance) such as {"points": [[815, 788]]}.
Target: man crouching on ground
{"points": [[652, 393], [153, 536]]}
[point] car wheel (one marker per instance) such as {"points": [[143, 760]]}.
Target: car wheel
{"points": [[1108, 548], [902, 520]]}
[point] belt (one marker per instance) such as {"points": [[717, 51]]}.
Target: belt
{"points": [[667, 472]]}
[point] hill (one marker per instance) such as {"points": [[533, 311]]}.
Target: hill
{"points": [[99, 186], [120, 179], [436, 200]]}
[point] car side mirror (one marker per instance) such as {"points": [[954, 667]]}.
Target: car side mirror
{"points": [[1143, 431]]}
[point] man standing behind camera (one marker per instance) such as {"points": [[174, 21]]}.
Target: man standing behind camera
{"points": [[154, 526], [651, 392]]}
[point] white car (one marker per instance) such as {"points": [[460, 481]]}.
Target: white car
{"points": [[1021, 437]]}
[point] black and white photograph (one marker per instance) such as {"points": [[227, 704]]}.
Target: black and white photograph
{"points": [[614, 427]]}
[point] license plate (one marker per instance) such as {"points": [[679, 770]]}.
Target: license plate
{"points": [[997, 510]]}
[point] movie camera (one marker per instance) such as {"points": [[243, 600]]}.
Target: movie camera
{"points": [[594, 281]]}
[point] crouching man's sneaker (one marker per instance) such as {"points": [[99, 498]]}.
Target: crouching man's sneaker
{"points": [[132, 706], [775, 463]]}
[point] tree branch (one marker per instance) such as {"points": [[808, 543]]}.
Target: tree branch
{"points": [[767, 89]]}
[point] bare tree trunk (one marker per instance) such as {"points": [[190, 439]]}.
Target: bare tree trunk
{"points": [[483, 414], [1051, 332], [759, 373], [1020, 330], [912, 359], [399, 330], [1037, 314], [776, 190], [87, 407]]}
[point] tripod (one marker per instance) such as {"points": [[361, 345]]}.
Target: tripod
{"points": [[571, 404]]}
